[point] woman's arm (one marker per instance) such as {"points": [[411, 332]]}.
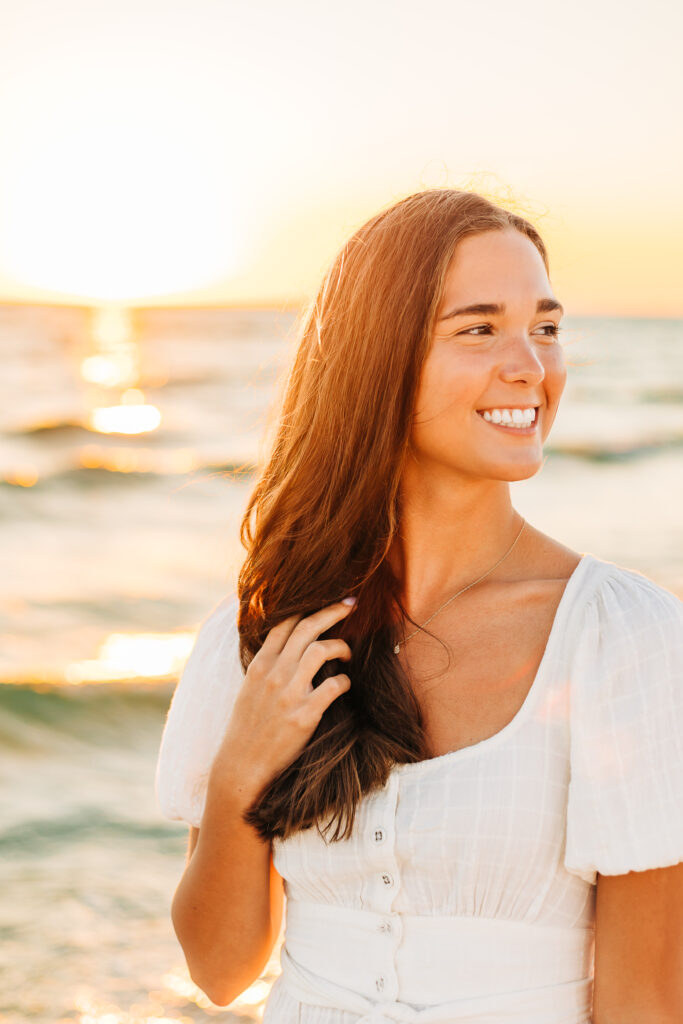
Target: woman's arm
{"points": [[639, 947], [227, 909]]}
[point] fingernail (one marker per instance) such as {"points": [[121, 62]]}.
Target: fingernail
{"points": [[349, 600]]}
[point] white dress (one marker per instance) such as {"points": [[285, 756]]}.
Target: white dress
{"points": [[467, 890]]}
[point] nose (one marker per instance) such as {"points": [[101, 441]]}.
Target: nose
{"points": [[521, 361]]}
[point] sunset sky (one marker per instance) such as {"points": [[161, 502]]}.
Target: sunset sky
{"points": [[220, 151]]}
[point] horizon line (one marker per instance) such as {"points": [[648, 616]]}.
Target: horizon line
{"points": [[283, 305]]}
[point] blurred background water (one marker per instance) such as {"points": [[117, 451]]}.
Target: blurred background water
{"points": [[128, 440]]}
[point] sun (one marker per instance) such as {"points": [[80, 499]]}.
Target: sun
{"points": [[103, 211]]}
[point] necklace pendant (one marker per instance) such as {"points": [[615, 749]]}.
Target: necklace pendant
{"points": [[396, 648]]}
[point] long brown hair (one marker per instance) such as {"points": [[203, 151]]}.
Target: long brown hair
{"points": [[325, 503]]}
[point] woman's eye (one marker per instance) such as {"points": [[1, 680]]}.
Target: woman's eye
{"points": [[552, 330], [480, 327]]}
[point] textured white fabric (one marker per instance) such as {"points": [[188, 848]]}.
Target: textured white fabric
{"points": [[199, 711], [511, 831], [441, 965]]}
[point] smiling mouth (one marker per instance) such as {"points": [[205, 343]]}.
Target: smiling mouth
{"points": [[525, 426]]}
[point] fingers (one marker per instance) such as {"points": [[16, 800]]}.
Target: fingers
{"points": [[328, 691], [313, 658], [297, 632], [307, 630], [278, 709]]}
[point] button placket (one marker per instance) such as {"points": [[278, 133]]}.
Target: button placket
{"points": [[381, 840], [380, 888]]}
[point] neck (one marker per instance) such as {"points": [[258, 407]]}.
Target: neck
{"points": [[450, 537]]}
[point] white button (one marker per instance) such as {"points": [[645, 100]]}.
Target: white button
{"points": [[387, 879], [385, 926], [379, 982], [379, 835]]}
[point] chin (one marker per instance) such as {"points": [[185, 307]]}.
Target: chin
{"points": [[512, 473]]}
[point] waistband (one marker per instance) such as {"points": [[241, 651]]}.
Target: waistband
{"points": [[419, 969]]}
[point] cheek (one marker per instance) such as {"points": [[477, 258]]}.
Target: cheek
{"points": [[556, 373], [443, 392], [554, 383]]}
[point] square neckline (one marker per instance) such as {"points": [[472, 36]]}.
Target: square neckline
{"points": [[413, 767]]}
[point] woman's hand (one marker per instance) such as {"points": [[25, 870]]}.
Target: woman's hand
{"points": [[277, 708]]}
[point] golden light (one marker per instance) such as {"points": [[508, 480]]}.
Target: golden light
{"points": [[117, 370], [115, 361], [26, 476], [251, 1000], [183, 986], [139, 460], [132, 416], [133, 396], [252, 996], [111, 226], [111, 326], [130, 656], [90, 1011]]}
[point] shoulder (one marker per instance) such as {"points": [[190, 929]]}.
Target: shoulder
{"points": [[213, 665], [625, 648], [599, 588], [198, 713], [626, 721], [214, 657], [624, 606], [219, 627]]}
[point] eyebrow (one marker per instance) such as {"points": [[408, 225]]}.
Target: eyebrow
{"points": [[494, 309]]}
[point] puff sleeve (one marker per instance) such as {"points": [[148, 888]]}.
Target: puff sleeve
{"points": [[198, 714], [625, 797]]}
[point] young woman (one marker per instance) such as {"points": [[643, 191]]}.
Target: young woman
{"points": [[469, 783]]}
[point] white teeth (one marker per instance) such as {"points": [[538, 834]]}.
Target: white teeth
{"points": [[511, 417]]}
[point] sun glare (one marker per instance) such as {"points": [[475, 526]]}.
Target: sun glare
{"points": [[125, 419], [131, 416], [115, 360], [90, 217], [130, 656]]}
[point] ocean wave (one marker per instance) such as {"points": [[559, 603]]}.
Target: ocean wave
{"points": [[58, 429], [73, 829], [82, 478], [45, 718], [614, 450]]}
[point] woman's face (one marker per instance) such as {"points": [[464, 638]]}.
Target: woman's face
{"points": [[501, 358]]}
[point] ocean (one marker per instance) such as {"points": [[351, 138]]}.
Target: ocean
{"points": [[127, 446]]}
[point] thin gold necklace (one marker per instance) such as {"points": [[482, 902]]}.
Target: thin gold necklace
{"points": [[406, 638]]}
